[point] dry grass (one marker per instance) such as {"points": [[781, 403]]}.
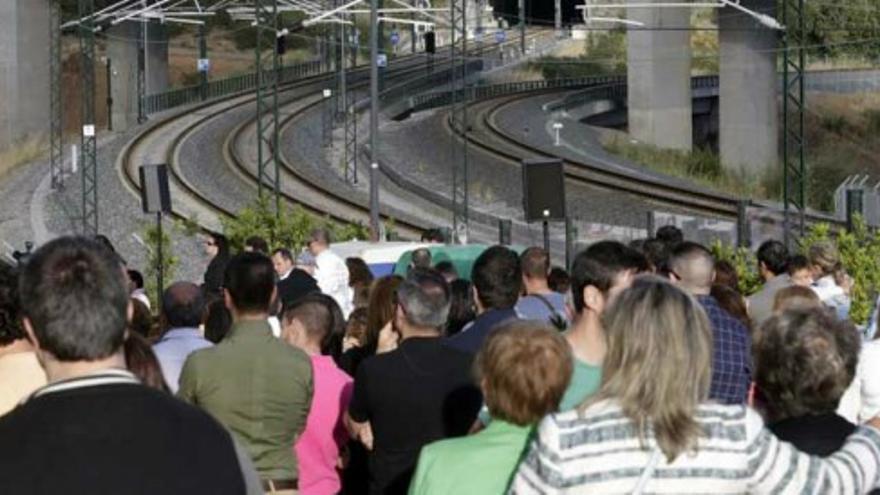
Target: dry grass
{"points": [[22, 152]]}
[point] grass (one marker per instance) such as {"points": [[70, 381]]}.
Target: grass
{"points": [[24, 151], [701, 166]]}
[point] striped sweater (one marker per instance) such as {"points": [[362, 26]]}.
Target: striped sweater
{"points": [[600, 452]]}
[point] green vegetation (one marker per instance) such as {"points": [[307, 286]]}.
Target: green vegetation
{"points": [[859, 251], [605, 55], [288, 229], [701, 166], [169, 262]]}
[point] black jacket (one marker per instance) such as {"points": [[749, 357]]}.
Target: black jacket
{"points": [[113, 439], [297, 284], [214, 274]]}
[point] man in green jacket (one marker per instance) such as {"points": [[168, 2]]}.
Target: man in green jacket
{"points": [[254, 384]]}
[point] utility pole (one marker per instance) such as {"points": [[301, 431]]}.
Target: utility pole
{"points": [[56, 122], [522, 26], [793, 103], [88, 142], [142, 71], [266, 17], [374, 120], [459, 107], [557, 18], [203, 57]]}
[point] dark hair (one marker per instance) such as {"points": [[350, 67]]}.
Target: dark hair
{"points": [[250, 280], [733, 302], [447, 269], [656, 252], [105, 241], [380, 308], [804, 361], [359, 273], [774, 256], [535, 263], [797, 263], [221, 242], [356, 326], [461, 308], [136, 278], [73, 292], [322, 319], [725, 274], [599, 265], [497, 278], [669, 235], [10, 306], [558, 280], [425, 299], [141, 319], [183, 305], [217, 320], [142, 362], [320, 235], [284, 253], [421, 258], [433, 235], [257, 243]]}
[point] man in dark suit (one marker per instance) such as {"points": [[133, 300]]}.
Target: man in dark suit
{"points": [[95, 428], [293, 283]]}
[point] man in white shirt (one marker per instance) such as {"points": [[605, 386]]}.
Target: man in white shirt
{"points": [[330, 270]]}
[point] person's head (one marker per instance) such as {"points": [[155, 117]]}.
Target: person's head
{"points": [[725, 274], [183, 305], [75, 301], [447, 269], [217, 320], [496, 278], [135, 280], [656, 252], [433, 235], [733, 302], [421, 259], [804, 361], [141, 321], [356, 327], [216, 245], [249, 286], [461, 307], [319, 241], [600, 273], [692, 267], [558, 280], [523, 368], [359, 274], [795, 297], [306, 262], [534, 264], [380, 309], [10, 306], [331, 344], [307, 324], [824, 259], [658, 364], [772, 259], [422, 304], [142, 362], [257, 244], [105, 241], [669, 235], [282, 261], [799, 270]]}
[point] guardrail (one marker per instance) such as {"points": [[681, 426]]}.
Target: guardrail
{"points": [[222, 87]]}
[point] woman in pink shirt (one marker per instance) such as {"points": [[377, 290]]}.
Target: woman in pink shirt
{"points": [[307, 324]]}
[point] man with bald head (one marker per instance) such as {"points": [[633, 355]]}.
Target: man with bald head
{"points": [[183, 304], [691, 267]]}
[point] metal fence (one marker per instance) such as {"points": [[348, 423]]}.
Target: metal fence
{"points": [[223, 87]]}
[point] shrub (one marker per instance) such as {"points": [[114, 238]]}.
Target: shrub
{"points": [[745, 263]]}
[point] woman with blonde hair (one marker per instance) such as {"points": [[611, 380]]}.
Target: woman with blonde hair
{"points": [[831, 283], [650, 427]]}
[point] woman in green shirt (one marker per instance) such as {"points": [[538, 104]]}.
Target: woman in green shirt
{"points": [[524, 368]]}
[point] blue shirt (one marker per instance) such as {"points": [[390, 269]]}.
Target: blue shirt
{"points": [[731, 355], [531, 307], [173, 349], [471, 338]]}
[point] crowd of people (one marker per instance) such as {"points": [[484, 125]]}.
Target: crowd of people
{"points": [[640, 369]]}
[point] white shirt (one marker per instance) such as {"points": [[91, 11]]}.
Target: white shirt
{"points": [[861, 401], [332, 277]]}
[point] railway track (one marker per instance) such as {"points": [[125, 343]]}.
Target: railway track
{"points": [[161, 143], [512, 149]]}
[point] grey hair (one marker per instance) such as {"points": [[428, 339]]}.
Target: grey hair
{"points": [[425, 299]]}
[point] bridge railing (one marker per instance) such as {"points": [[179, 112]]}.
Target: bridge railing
{"points": [[223, 87]]}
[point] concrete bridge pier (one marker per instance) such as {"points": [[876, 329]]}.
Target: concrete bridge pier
{"points": [[658, 78], [749, 117], [24, 70], [122, 49]]}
